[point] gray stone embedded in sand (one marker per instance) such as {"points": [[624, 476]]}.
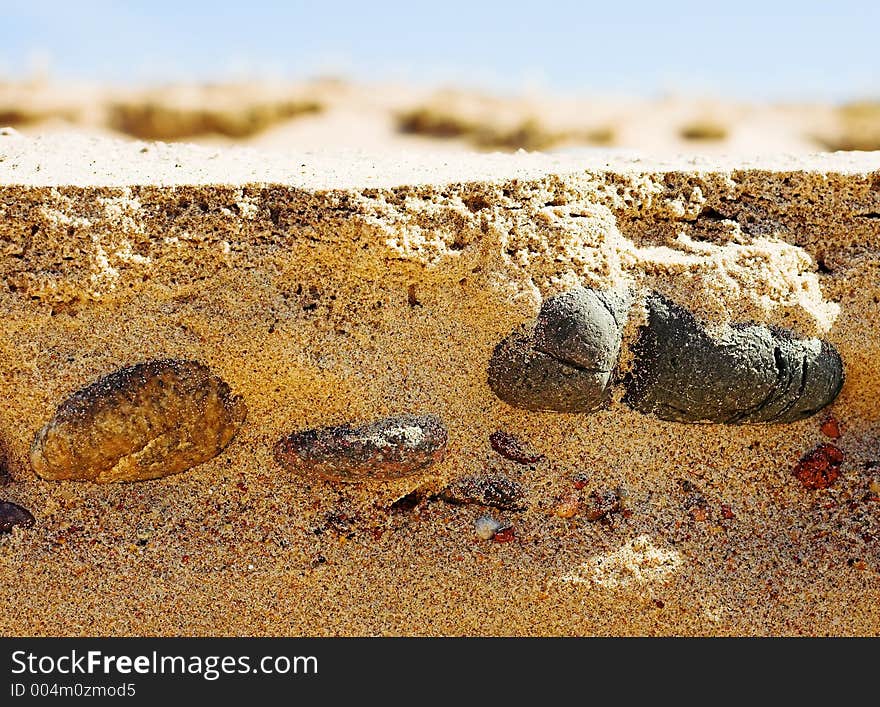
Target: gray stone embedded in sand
{"points": [[566, 363], [745, 373], [583, 327], [141, 422], [391, 448], [526, 378]]}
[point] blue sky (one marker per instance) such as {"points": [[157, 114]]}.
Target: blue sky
{"points": [[782, 50]]}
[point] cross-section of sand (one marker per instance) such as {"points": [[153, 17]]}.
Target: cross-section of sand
{"points": [[329, 289]]}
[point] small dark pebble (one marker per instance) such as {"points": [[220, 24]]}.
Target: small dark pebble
{"points": [[11, 515], [495, 490], [693, 499], [687, 486], [566, 361], [820, 467], [747, 373], [407, 503], [602, 504], [510, 447], [5, 476], [339, 522], [391, 448]]}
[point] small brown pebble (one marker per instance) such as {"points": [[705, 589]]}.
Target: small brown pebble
{"points": [[505, 535], [831, 427], [602, 504], [510, 447], [581, 481], [142, 422], [726, 512], [391, 448], [11, 515], [699, 514], [819, 468], [567, 507], [487, 490]]}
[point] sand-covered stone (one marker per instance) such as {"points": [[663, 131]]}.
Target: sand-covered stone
{"points": [[565, 364], [524, 377], [583, 327], [743, 373], [391, 448], [141, 422], [489, 489]]}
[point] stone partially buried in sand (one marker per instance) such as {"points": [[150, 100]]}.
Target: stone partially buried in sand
{"points": [[565, 364], [389, 449], [490, 489], [12, 515], [744, 373], [141, 422]]}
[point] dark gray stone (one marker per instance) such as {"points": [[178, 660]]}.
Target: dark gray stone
{"points": [[566, 362], [582, 327], [745, 373]]}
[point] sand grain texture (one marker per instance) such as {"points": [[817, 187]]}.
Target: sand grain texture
{"points": [[344, 289]]}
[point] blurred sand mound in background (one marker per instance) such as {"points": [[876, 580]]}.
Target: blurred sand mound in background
{"points": [[329, 113]]}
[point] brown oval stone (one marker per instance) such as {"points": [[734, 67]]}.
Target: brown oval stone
{"points": [[11, 515], [141, 422], [392, 448]]}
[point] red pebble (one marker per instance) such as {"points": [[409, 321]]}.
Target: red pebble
{"points": [[726, 512], [581, 481], [819, 468], [504, 536], [831, 427], [510, 447]]}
